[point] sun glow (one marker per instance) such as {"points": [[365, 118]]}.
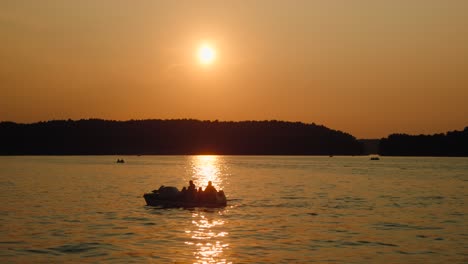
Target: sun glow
{"points": [[207, 168], [206, 54]]}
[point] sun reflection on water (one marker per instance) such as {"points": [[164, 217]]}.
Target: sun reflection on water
{"points": [[207, 238], [207, 168], [207, 234]]}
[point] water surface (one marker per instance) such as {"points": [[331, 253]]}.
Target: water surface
{"points": [[280, 210]]}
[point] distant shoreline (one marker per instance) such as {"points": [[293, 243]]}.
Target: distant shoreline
{"points": [[195, 137], [228, 155]]}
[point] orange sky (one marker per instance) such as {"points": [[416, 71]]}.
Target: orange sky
{"points": [[366, 67]]}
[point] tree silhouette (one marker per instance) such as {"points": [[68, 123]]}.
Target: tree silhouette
{"points": [[170, 137], [454, 143]]}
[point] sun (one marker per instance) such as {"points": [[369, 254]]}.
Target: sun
{"points": [[206, 54]]}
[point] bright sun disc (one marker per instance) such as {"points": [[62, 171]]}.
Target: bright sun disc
{"points": [[206, 54]]}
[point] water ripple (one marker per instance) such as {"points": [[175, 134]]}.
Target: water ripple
{"points": [[82, 247], [396, 226]]}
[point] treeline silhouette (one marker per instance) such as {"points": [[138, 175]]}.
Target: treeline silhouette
{"points": [[171, 137], [454, 143]]}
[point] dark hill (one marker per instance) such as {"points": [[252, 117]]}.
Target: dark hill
{"points": [[168, 137], [454, 143]]}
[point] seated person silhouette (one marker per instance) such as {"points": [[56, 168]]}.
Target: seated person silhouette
{"points": [[191, 186], [210, 193], [183, 194], [191, 192], [199, 196]]}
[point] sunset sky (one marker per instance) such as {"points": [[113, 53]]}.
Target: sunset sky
{"points": [[366, 67]]}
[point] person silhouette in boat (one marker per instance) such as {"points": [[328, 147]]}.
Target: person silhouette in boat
{"points": [[210, 193], [191, 186], [191, 191], [199, 196], [183, 194]]}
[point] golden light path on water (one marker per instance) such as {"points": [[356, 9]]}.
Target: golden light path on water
{"points": [[207, 168], [206, 233]]}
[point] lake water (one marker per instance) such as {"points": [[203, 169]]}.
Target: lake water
{"points": [[280, 210]]}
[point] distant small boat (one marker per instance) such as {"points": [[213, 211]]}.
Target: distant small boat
{"points": [[120, 161], [374, 158]]}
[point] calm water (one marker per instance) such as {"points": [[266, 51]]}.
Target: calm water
{"points": [[280, 209]]}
